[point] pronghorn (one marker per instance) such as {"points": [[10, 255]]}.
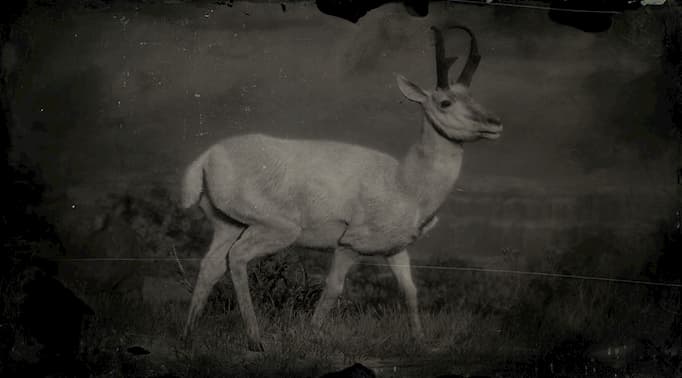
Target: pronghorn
{"points": [[263, 194]]}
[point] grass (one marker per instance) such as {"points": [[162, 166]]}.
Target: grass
{"points": [[376, 338], [475, 323], [503, 325]]}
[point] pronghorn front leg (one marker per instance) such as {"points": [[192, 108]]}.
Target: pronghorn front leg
{"points": [[400, 265], [342, 261]]}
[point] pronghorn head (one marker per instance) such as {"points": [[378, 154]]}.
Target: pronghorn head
{"points": [[449, 108]]}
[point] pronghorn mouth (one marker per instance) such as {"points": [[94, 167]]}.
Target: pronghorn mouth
{"points": [[490, 134]]}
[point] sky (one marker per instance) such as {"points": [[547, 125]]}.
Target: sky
{"points": [[114, 100]]}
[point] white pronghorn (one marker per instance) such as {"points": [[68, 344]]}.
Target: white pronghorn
{"points": [[263, 194]]}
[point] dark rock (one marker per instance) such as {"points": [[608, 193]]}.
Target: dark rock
{"points": [[6, 341], [593, 21], [355, 371], [138, 351], [52, 315], [417, 8], [353, 10]]}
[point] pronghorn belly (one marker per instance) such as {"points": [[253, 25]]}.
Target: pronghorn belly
{"points": [[371, 239], [322, 235]]}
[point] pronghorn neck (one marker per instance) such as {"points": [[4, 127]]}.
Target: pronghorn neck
{"points": [[430, 168]]}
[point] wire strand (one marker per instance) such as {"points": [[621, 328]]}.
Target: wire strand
{"points": [[528, 273], [575, 10], [415, 266]]}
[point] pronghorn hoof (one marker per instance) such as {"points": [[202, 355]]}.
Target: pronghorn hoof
{"points": [[186, 341], [319, 334], [316, 327], [255, 346]]}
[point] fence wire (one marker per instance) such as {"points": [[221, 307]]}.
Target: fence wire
{"points": [[530, 6], [415, 266]]}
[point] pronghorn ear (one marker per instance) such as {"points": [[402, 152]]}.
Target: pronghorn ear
{"points": [[411, 90]]}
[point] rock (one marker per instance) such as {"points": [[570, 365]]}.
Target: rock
{"points": [[138, 351], [6, 341], [355, 371], [49, 325], [52, 314]]}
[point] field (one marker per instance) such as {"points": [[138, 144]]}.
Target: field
{"points": [[476, 323], [98, 261]]}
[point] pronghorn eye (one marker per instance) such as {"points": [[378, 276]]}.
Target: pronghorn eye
{"points": [[445, 103]]}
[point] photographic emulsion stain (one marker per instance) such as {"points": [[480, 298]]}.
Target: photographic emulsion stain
{"points": [[292, 188]]}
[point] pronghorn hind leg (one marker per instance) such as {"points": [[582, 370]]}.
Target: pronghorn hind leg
{"points": [[258, 240], [400, 265], [212, 268], [342, 262]]}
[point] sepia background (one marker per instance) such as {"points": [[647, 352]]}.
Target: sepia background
{"points": [[110, 104]]}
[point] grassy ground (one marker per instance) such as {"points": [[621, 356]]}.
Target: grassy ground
{"points": [[380, 339], [474, 325]]}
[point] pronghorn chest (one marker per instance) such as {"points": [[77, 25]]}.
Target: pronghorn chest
{"points": [[387, 229]]}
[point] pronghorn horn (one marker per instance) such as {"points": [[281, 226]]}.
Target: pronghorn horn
{"points": [[443, 63], [472, 60]]}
